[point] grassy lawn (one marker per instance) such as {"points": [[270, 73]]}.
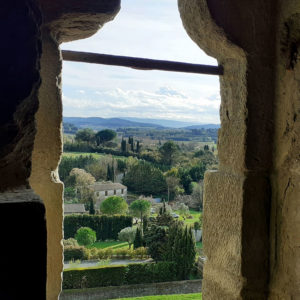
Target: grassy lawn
{"points": [[108, 244], [169, 297], [76, 154], [195, 214], [95, 155]]}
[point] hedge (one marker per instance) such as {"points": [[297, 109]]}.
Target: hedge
{"points": [[74, 253], [94, 277], [106, 227], [118, 275], [149, 273]]}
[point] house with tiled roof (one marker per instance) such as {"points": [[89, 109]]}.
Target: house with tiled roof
{"points": [[70, 209], [105, 189]]}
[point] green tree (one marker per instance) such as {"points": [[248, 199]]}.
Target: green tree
{"points": [[197, 172], [92, 207], [114, 205], [121, 165], [172, 184], [123, 146], [127, 235], [104, 136], [138, 147], [185, 180], [138, 241], [181, 248], [85, 135], [83, 184], [140, 208], [85, 236], [197, 194], [156, 240], [110, 176], [145, 179], [164, 217], [169, 152]]}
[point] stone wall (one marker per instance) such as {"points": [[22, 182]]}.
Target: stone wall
{"points": [[137, 290], [254, 197], [285, 179], [251, 204]]}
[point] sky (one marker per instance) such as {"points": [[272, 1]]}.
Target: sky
{"points": [[150, 29]]}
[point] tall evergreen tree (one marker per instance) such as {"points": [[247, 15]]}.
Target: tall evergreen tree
{"points": [[108, 175], [138, 241], [123, 145], [92, 207], [112, 173], [138, 147], [132, 146], [181, 248]]}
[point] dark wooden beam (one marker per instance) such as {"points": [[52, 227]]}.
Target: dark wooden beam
{"points": [[141, 63]]}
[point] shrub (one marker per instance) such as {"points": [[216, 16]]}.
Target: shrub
{"points": [[106, 227], [108, 253], [127, 235], [140, 252], [114, 205], [70, 242], [74, 253], [85, 236], [122, 253], [94, 277]]}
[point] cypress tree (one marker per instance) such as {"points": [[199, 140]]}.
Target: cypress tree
{"points": [[138, 147], [138, 241], [108, 175], [113, 173], [92, 207], [123, 145]]}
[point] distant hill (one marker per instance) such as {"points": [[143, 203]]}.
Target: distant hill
{"points": [[113, 123], [203, 126], [172, 123]]}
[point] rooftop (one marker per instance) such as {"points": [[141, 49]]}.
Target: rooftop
{"points": [[107, 186], [74, 208]]}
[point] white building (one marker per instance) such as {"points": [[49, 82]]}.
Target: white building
{"points": [[102, 190]]}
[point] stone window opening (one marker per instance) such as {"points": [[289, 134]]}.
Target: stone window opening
{"points": [[134, 63], [251, 202]]}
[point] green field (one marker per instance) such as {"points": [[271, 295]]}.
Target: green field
{"points": [[76, 154], [197, 296], [95, 155], [108, 244], [195, 214]]}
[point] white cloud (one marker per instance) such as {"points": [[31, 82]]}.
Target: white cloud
{"points": [[140, 103], [143, 28]]}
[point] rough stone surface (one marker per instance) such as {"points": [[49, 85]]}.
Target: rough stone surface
{"points": [[251, 205], [285, 221], [63, 21], [254, 198], [45, 158], [69, 20], [20, 52]]}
